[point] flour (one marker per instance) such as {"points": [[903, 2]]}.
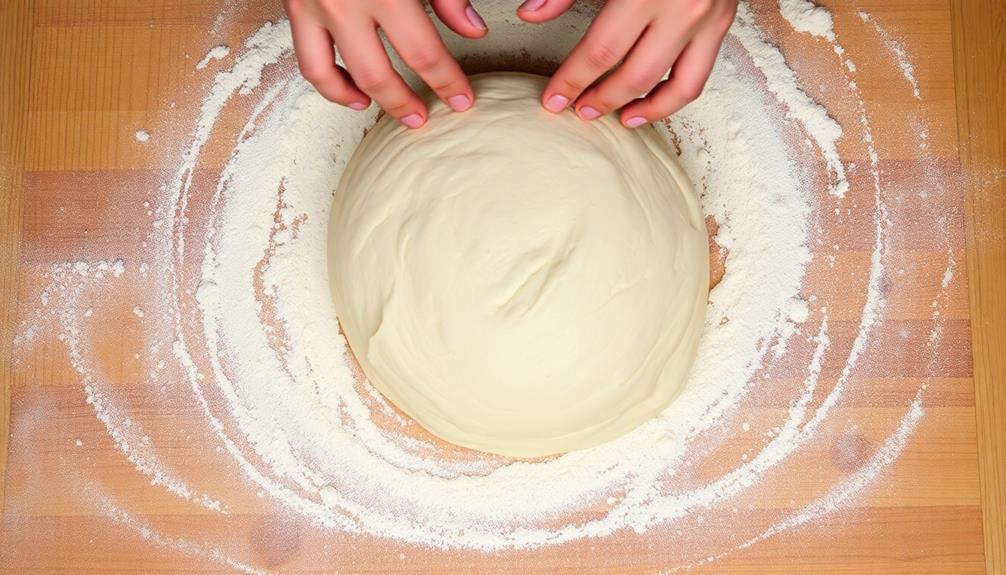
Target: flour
{"points": [[897, 49], [782, 82], [110, 509], [242, 311], [69, 282], [216, 53], [805, 16]]}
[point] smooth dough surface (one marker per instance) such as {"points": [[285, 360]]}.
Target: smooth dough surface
{"points": [[519, 282]]}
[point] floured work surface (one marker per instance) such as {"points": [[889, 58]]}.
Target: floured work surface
{"points": [[181, 396]]}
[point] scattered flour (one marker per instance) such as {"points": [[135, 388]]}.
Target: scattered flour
{"points": [[897, 49], [264, 364], [111, 510], [142, 136], [805, 16], [217, 53]]}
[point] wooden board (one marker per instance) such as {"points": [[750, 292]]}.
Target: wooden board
{"points": [[980, 72], [79, 78], [15, 59]]}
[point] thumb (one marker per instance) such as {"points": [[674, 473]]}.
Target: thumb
{"points": [[537, 11], [460, 16]]}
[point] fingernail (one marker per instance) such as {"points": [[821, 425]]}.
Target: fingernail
{"points": [[474, 18], [635, 122], [358, 106], [589, 113], [412, 120], [531, 5], [556, 103], [459, 103]]}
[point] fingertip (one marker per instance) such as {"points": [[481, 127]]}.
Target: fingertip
{"points": [[460, 102], [461, 17], [478, 25], [588, 113], [635, 114], [339, 92], [413, 121], [538, 11], [555, 103], [634, 121], [532, 9]]}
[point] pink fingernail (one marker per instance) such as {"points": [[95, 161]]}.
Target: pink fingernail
{"points": [[459, 103], [412, 121], [635, 122], [531, 5], [556, 103], [589, 113], [358, 106], [474, 18]]}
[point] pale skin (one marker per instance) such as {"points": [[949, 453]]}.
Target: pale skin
{"points": [[637, 41]]}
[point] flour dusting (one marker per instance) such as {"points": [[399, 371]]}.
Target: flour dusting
{"points": [[241, 336], [897, 49], [805, 16], [216, 53]]}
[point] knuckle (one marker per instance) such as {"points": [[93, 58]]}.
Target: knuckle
{"points": [[642, 81], [447, 87], [335, 95], [605, 101], [371, 78], [602, 55], [313, 73], [572, 86], [700, 8], [423, 58], [606, 96], [398, 108], [691, 90]]}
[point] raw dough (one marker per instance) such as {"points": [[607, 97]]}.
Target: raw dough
{"points": [[516, 281]]}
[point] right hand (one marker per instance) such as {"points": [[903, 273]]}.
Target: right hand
{"points": [[322, 26]]}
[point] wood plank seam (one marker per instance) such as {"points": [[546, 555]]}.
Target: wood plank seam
{"points": [[979, 41], [16, 33]]}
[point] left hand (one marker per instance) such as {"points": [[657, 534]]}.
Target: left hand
{"points": [[644, 39]]}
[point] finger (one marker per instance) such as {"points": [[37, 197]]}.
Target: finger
{"points": [[605, 43], [460, 16], [647, 64], [316, 58], [536, 11], [370, 67], [688, 78], [416, 40]]}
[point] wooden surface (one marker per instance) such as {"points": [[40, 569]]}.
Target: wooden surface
{"points": [[87, 74], [980, 73], [15, 59]]}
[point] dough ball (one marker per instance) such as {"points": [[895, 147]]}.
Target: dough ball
{"points": [[516, 281]]}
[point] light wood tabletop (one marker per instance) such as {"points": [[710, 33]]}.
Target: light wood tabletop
{"points": [[79, 78]]}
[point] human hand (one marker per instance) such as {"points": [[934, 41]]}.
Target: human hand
{"points": [[644, 39], [319, 26]]}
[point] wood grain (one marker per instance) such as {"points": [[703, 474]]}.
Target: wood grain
{"points": [[980, 71], [15, 60]]}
